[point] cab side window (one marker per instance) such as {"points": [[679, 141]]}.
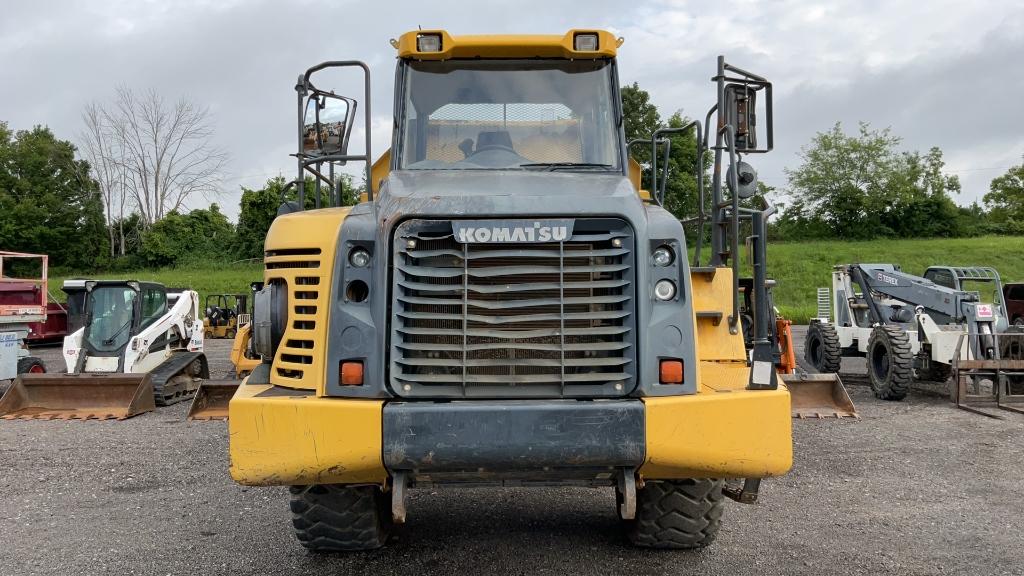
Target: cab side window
{"points": [[154, 305], [942, 278], [1015, 292]]}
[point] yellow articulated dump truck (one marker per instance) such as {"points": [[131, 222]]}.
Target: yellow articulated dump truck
{"points": [[507, 306]]}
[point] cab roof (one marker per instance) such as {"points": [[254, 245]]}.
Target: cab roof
{"points": [[507, 45]]}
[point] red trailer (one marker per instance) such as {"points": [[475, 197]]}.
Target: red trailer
{"points": [[15, 293], [22, 303]]}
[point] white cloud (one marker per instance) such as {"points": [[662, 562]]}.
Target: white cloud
{"points": [[941, 73]]}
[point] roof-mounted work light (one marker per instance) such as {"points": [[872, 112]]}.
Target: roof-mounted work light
{"points": [[428, 42], [585, 42]]}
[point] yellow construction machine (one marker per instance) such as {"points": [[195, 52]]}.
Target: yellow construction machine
{"points": [[211, 399], [224, 314], [507, 306], [812, 395]]}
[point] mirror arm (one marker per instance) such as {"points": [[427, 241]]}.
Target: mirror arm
{"points": [[319, 175], [367, 157]]}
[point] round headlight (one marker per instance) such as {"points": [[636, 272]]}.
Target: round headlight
{"points": [[359, 258], [663, 256], [665, 290]]}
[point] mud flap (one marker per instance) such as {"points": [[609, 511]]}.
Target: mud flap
{"points": [[818, 396], [211, 400], [77, 396]]}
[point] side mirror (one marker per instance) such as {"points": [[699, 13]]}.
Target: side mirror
{"points": [[740, 112], [327, 124]]}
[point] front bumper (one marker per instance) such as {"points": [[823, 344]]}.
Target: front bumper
{"points": [[280, 437]]}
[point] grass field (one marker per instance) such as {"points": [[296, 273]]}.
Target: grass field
{"points": [[208, 279], [799, 268]]}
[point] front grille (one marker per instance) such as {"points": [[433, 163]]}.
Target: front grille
{"points": [[513, 319]]}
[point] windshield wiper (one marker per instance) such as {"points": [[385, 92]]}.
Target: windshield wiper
{"points": [[114, 336], [552, 166]]}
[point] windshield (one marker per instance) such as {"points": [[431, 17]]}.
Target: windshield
{"points": [[509, 114], [111, 309]]}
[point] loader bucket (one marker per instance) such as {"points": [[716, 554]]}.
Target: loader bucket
{"points": [[818, 396], [211, 401], [77, 396]]}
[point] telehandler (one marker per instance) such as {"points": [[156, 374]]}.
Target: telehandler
{"points": [[911, 327], [507, 306]]}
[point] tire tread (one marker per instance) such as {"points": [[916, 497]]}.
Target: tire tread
{"points": [[677, 514], [901, 363], [330, 518]]}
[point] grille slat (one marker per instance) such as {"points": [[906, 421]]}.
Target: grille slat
{"points": [[611, 315], [518, 362], [524, 303], [539, 333], [508, 270], [514, 345], [526, 287], [513, 319], [517, 378]]}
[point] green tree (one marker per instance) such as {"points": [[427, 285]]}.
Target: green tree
{"points": [[49, 204], [681, 193], [640, 120], [923, 191], [862, 187], [1005, 200], [845, 181], [202, 234], [258, 208]]}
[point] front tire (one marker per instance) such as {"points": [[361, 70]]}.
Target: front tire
{"points": [[821, 348], [677, 514], [890, 363], [31, 365], [335, 518]]}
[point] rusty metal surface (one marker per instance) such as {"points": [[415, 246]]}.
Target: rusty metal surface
{"points": [[991, 387], [77, 396], [818, 396], [211, 400]]}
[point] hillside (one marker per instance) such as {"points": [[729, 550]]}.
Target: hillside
{"points": [[799, 268]]}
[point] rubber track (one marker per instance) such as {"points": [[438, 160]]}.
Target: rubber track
{"points": [[901, 364], [832, 355], [166, 391], [331, 518], [677, 514]]}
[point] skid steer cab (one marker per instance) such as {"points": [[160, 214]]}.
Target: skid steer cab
{"points": [[139, 347], [507, 305]]}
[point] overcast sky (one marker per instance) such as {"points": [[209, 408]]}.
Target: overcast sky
{"points": [[938, 72]]}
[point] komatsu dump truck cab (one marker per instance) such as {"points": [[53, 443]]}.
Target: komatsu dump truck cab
{"points": [[506, 306]]}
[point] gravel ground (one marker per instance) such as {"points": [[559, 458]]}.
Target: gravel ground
{"points": [[915, 487]]}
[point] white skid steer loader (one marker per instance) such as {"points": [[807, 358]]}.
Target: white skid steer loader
{"points": [[139, 348]]}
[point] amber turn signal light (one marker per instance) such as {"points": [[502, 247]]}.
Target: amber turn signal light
{"points": [[671, 371], [351, 373]]}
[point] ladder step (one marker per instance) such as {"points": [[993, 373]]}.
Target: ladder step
{"points": [[716, 317], [708, 272]]}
